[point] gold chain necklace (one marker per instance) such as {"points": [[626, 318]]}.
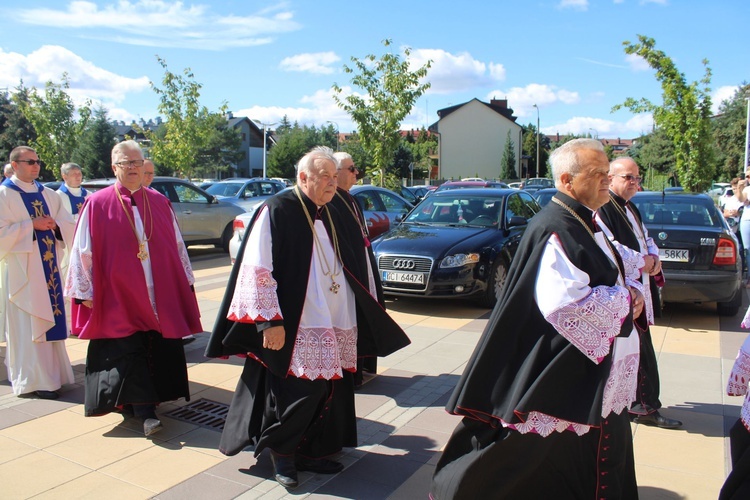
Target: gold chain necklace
{"points": [[624, 215], [142, 253], [611, 248], [332, 272], [356, 217]]}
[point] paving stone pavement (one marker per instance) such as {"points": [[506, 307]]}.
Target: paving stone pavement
{"points": [[49, 450]]}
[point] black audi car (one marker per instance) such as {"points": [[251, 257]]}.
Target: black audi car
{"points": [[456, 243], [699, 253]]}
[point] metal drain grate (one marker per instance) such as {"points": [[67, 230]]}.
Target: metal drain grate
{"points": [[203, 412]]}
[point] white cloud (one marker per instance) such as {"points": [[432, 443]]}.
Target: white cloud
{"points": [[455, 72], [637, 63], [318, 63], [160, 23], [49, 62], [722, 94], [574, 4], [522, 99], [605, 129]]}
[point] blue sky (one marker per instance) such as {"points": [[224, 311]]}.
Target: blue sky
{"points": [[270, 59]]}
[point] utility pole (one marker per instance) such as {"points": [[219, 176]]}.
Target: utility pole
{"points": [[536, 168], [265, 148]]}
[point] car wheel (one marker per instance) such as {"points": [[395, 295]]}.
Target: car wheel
{"points": [[225, 237], [732, 307], [494, 284]]}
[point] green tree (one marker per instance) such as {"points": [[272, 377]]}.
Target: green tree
{"points": [[729, 130], [508, 163], [53, 116], [402, 158], [654, 151], [684, 114], [391, 90], [290, 146], [15, 129], [94, 151], [188, 142], [422, 146]]}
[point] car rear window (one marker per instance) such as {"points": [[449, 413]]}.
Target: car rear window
{"points": [[679, 213]]}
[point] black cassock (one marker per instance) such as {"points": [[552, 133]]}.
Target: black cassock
{"points": [[521, 365], [270, 408]]}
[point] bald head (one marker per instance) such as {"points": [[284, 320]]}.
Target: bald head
{"points": [[626, 178]]}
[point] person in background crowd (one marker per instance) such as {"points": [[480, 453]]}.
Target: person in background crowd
{"points": [[346, 204], [71, 193], [34, 229], [624, 221], [148, 173], [130, 276], [8, 170], [297, 307], [545, 394]]}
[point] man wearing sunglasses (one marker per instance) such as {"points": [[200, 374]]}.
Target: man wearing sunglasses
{"points": [[624, 220], [34, 230], [349, 208]]}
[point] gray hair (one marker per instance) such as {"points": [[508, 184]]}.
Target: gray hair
{"points": [[8, 169], [565, 158], [67, 167], [316, 153], [340, 157], [129, 145]]}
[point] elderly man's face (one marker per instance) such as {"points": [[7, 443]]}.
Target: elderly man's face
{"points": [[128, 168], [590, 186], [73, 178], [320, 183], [347, 174], [625, 178], [148, 173]]}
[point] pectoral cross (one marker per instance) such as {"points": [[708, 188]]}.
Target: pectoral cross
{"points": [[334, 286], [143, 254]]}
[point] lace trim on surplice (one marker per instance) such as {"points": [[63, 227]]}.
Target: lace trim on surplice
{"points": [[254, 297], [544, 425], [324, 353], [78, 283], [592, 323], [622, 384], [740, 376]]}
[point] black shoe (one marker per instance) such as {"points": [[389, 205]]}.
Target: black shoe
{"points": [[284, 471], [658, 420], [319, 465], [47, 394], [188, 339]]}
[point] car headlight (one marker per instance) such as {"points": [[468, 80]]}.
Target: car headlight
{"points": [[460, 259]]}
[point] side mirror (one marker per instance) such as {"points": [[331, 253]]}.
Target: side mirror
{"points": [[517, 220]]}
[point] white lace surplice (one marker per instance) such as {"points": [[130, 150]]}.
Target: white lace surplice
{"points": [[738, 381], [589, 318], [326, 341]]}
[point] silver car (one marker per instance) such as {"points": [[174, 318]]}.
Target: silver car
{"points": [[245, 193], [203, 219]]}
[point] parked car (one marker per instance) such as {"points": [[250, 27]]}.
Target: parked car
{"points": [[456, 243], [418, 192], [543, 196], [203, 219], [470, 184], [381, 207], [515, 185], [699, 253], [53, 185], [246, 193], [718, 189], [534, 184]]}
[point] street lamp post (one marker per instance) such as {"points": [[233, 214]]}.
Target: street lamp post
{"points": [[536, 167], [265, 148], [337, 133]]}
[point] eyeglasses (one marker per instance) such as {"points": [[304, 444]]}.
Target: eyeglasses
{"points": [[130, 164], [353, 169], [631, 178], [30, 162]]}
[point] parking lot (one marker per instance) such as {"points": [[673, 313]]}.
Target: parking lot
{"points": [[49, 450]]}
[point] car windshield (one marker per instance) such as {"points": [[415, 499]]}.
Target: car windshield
{"points": [[679, 212], [470, 210], [225, 188]]}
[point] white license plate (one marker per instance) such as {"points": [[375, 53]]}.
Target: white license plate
{"points": [[403, 277], [670, 255]]}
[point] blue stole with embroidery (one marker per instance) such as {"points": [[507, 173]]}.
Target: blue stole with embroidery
{"points": [[76, 202], [37, 207]]}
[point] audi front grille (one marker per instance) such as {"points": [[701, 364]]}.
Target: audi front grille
{"points": [[408, 264]]}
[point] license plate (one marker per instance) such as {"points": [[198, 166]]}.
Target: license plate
{"points": [[670, 255], [403, 277]]}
